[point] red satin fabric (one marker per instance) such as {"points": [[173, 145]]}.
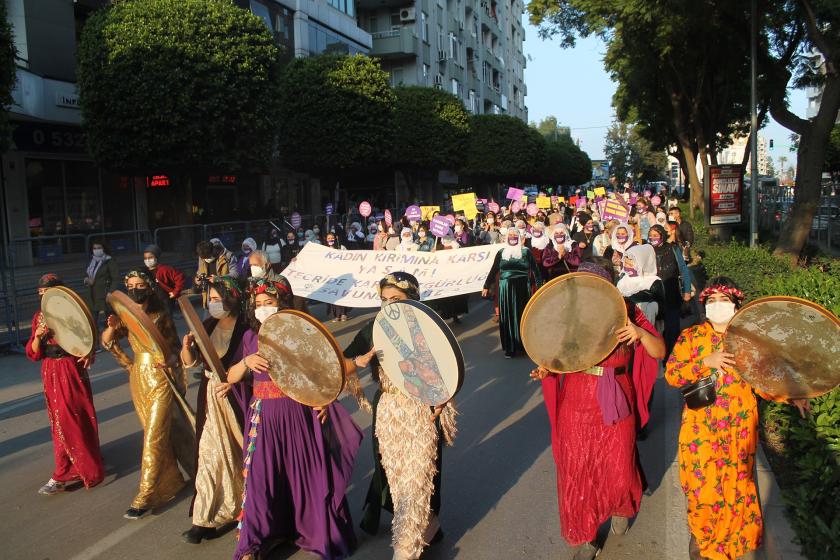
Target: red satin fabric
{"points": [[75, 431], [598, 472]]}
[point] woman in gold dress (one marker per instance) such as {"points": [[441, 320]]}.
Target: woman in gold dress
{"points": [[167, 437]]}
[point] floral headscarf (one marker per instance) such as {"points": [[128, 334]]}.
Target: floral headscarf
{"points": [[138, 274]]}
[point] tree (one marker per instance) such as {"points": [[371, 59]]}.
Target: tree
{"points": [[337, 113], [502, 148], [811, 28], [632, 156], [431, 130], [832, 152], [617, 151], [8, 77], [564, 163], [174, 86]]}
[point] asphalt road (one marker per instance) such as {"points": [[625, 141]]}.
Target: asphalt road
{"points": [[499, 497]]}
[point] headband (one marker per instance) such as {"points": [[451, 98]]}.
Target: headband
{"points": [[138, 274], [402, 281], [732, 293], [228, 284], [50, 280]]}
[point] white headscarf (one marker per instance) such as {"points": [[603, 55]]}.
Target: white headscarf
{"points": [[513, 251], [407, 241], [567, 244], [615, 243], [644, 257], [539, 243]]}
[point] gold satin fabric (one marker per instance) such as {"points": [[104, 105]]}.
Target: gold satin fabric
{"points": [[218, 481]]}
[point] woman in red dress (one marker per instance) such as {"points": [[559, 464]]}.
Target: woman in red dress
{"points": [[67, 392], [593, 416]]}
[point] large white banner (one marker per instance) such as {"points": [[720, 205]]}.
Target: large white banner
{"points": [[351, 278]]}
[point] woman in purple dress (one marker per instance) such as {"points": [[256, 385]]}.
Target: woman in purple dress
{"points": [[298, 459]]}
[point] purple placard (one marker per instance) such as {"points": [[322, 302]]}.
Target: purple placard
{"points": [[295, 220], [439, 226], [532, 209], [581, 202], [450, 219], [634, 198], [515, 194], [329, 209], [414, 213]]}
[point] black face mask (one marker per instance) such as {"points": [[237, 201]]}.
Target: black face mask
{"points": [[138, 295]]}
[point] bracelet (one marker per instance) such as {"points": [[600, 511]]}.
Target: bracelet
{"points": [[108, 345], [185, 365]]}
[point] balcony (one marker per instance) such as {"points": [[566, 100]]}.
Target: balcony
{"points": [[395, 44]]}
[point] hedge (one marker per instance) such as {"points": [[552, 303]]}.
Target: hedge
{"points": [[803, 452]]}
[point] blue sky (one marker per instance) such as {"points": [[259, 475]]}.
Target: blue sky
{"points": [[571, 84]]}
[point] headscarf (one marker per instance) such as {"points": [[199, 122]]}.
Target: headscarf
{"points": [[513, 251], [227, 285], [407, 240], [539, 243], [402, 281], [616, 245], [595, 269], [567, 244], [644, 258], [95, 263], [279, 289], [250, 243], [50, 280]]}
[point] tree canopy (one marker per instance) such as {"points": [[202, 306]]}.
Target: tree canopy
{"points": [[564, 162], [431, 129], [8, 77], [177, 85], [336, 113], [502, 148], [632, 156]]}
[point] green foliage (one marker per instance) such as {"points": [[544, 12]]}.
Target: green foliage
{"points": [[431, 128], [832, 152], [632, 155], [8, 77], [564, 164], [169, 85], [748, 267], [337, 112], [503, 148]]}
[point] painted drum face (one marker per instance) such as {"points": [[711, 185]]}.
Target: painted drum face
{"points": [[70, 320]]}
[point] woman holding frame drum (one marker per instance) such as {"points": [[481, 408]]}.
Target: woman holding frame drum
{"points": [[298, 459], [218, 480], [408, 442], [593, 415], [719, 432]]}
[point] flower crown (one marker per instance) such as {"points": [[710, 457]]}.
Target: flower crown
{"points": [[731, 293]]}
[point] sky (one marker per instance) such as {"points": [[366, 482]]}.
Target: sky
{"points": [[572, 85]]}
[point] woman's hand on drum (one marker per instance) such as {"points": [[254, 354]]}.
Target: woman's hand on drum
{"points": [[719, 360], [222, 389], [42, 330], [322, 413], [256, 362], [484, 292], [629, 333], [802, 405], [85, 361], [540, 373], [363, 361]]}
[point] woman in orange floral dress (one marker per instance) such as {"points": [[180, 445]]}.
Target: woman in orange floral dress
{"points": [[717, 443]]}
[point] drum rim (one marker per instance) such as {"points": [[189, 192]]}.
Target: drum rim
{"points": [[450, 337], [212, 360], [333, 343], [555, 281], [144, 319], [85, 311], [789, 299]]}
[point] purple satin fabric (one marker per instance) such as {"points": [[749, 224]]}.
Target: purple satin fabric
{"points": [[613, 402]]}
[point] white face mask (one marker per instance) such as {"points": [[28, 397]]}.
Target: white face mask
{"points": [[257, 271], [208, 261], [98, 252], [458, 229], [264, 312], [421, 233], [217, 309], [150, 263], [720, 312]]}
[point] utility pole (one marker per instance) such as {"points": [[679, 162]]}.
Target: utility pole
{"points": [[754, 126]]}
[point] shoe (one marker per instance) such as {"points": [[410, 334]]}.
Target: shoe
{"points": [[495, 318], [587, 551], [343, 318], [197, 533], [619, 525], [508, 355], [135, 513], [51, 487]]}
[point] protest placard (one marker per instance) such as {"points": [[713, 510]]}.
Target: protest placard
{"points": [[615, 210], [439, 226], [414, 213], [365, 209], [464, 203], [543, 202], [600, 191], [514, 193], [427, 211]]}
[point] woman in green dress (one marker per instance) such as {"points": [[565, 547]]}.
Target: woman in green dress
{"points": [[519, 277]]}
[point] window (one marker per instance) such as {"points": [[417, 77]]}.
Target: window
{"points": [[261, 11], [344, 6], [456, 87], [453, 47], [426, 72], [424, 27], [395, 20], [373, 24], [472, 105], [396, 77]]}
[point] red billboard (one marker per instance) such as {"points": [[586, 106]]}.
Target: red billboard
{"points": [[726, 188]]}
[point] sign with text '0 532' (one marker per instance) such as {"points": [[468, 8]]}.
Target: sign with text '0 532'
{"points": [[726, 188]]}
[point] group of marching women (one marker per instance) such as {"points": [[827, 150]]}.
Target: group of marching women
{"points": [[278, 470]]}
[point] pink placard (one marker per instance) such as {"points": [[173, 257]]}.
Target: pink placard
{"points": [[515, 206], [656, 200], [515, 194], [364, 209], [388, 219], [493, 207], [450, 219], [532, 209]]}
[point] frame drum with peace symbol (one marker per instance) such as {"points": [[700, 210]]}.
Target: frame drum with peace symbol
{"points": [[786, 346], [70, 320], [560, 330], [305, 361], [418, 352]]}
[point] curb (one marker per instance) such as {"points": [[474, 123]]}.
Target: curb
{"points": [[778, 536]]}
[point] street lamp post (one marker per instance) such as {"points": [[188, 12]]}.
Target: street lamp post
{"points": [[753, 127]]}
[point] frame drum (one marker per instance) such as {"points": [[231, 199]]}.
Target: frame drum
{"points": [[418, 352], [70, 320], [786, 346], [202, 339], [305, 360], [569, 325]]}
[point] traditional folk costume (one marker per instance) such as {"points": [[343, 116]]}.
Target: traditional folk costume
{"points": [[296, 469], [553, 265], [641, 285], [519, 277], [407, 448], [593, 434], [717, 447], [168, 439], [218, 479], [69, 400]]}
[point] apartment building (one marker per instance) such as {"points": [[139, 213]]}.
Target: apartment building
{"points": [[471, 48]]}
